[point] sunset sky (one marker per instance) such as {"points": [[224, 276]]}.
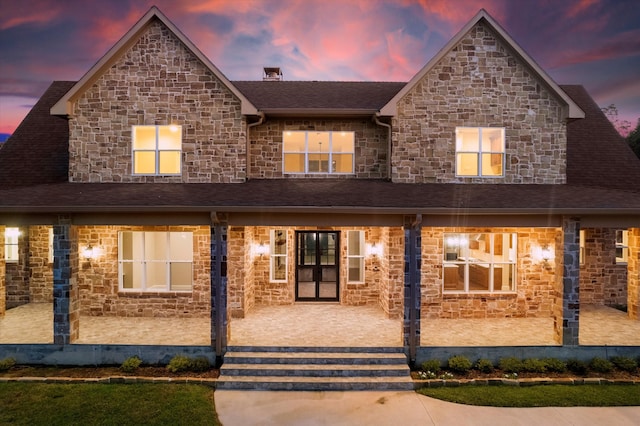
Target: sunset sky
{"points": [[595, 43]]}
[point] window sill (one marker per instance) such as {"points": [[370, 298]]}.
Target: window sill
{"points": [[154, 293], [479, 293]]}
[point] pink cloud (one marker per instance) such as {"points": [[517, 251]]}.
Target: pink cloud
{"points": [[580, 7], [32, 12]]}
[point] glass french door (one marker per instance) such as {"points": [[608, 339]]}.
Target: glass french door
{"points": [[317, 265]]}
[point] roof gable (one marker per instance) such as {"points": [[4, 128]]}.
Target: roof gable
{"points": [[574, 111], [65, 105]]}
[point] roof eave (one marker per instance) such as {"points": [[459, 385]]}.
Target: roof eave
{"points": [[318, 112]]}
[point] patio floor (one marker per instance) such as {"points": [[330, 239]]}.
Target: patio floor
{"points": [[312, 324]]}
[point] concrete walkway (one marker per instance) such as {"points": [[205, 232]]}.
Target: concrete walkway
{"points": [[397, 408]]}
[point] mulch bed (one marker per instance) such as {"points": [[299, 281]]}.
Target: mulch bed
{"points": [[99, 372]]}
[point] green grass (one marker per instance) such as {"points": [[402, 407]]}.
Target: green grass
{"points": [[106, 404], [539, 396]]}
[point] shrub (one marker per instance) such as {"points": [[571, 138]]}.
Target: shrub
{"points": [[459, 364], [625, 363], [555, 365], [200, 364], [484, 365], [534, 365], [7, 364], [131, 364], [432, 365], [600, 365], [179, 363], [510, 365], [576, 366]]}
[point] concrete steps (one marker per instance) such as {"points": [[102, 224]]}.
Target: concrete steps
{"points": [[309, 369]]}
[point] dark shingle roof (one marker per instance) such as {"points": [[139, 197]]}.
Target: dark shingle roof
{"points": [[37, 152], [328, 95]]}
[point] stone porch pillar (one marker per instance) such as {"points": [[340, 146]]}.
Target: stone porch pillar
{"points": [[570, 281], [633, 274], [412, 303], [66, 303], [3, 291], [219, 321]]}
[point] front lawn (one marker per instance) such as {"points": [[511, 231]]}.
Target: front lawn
{"points": [[106, 404], [539, 396]]}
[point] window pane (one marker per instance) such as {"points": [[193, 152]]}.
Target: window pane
{"points": [[354, 243], [279, 242], [156, 274], [468, 139], [294, 141], [503, 277], [181, 246], [343, 163], [144, 137], [155, 245], [318, 141], [279, 268], [356, 269], [318, 163], [170, 137], [181, 276], [294, 163], [144, 162], [479, 277], [492, 164], [492, 140], [467, 165], [169, 162], [342, 142]]}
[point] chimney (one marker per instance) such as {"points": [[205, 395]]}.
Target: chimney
{"points": [[272, 74]]}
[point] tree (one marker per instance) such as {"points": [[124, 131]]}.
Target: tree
{"points": [[622, 126], [634, 139]]}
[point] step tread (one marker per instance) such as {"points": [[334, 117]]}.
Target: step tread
{"points": [[289, 379], [380, 367], [304, 355]]}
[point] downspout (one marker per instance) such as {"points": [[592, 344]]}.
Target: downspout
{"points": [[388, 126], [248, 147]]}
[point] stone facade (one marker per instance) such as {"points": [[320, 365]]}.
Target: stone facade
{"points": [[40, 265], [535, 293], [479, 83], [157, 82], [602, 281], [98, 278], [266, 146]]}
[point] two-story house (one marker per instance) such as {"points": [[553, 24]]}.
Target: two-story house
{"points": [[154, 207]]}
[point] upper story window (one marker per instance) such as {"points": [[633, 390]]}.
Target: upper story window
{"points": [[318, 152], [622, 246], [480, 151], [157, 150], [155, 261], [11, 244]]}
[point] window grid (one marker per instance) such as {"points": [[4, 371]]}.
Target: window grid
{"points": [[279, 260], [164, 159], [622, 246], [355, 256], [488, 153], [320, 157], [11, 251]]}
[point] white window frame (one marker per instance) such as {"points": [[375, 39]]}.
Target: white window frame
{"points": [[622, 244], [50, 246], [480, 152], [582, 246], [276, 256], [330, 151], [156, 151], [144, 261], [358, 256], [11, 244], [490, 262]]}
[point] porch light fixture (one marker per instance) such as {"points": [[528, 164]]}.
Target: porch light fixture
{"points": [[260, 249], [543, 254], [12, 232], [374, 250], [89, 252]]}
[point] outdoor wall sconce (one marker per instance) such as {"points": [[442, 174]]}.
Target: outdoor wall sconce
{"points": [[12, 232], [89, 252], [543, 255], [374, 250], [260, 250]]}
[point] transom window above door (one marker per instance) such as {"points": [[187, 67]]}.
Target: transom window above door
{"points": [[318, 152], [480, 151], [157, 150]]}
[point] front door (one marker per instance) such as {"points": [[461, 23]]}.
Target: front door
{"points": [[317, 254]]}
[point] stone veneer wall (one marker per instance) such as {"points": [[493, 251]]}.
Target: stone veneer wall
{"points": [[268, 292], [98, 278], [393, 282], [157, 81], [602, 281], [17, 273], [3, 293], [266, 146], [633, 301], [40, 266], [535, 294], [241, 272], [479, 83]]}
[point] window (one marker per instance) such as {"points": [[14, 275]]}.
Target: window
{"points": [[479, 262], [155, 261], [480, 151], [50, 247], [11, 236], [355, 256], [318, 152], [278, 269], [622, 246], [157, 150], [582, 246]]}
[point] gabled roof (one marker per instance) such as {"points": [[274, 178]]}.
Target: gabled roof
{"points": [[64, 105], [483, 16], [318, 97]]}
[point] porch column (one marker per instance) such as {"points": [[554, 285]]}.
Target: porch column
{"points": [[570, 281], [3, 291], [412, 258], [633, 274], [66, 303], [219, 231]]}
